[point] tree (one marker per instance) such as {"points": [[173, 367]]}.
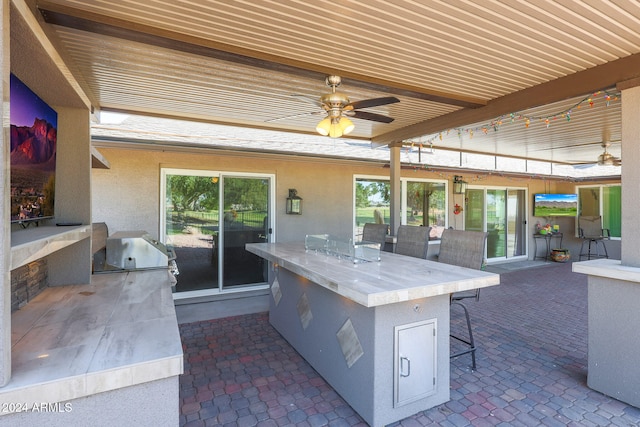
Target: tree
{"points": [[189, 192], [369, 193], [248, 193], [362, 195]]}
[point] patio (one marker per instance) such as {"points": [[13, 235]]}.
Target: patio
{"points": [[532, 337]]}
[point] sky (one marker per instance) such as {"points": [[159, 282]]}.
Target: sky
{"points": [[26, 106]]}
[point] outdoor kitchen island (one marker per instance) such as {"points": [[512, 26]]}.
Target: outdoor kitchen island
{"points": [[377, 331]]}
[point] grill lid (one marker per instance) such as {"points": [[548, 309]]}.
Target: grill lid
{"points": [[135, 250]]}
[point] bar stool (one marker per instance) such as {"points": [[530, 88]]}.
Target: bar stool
{"points": [[591, 232], [465, 249]]}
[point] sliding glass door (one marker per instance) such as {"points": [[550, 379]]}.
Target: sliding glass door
{"points": [[208, 218], [245, 204], [502, 214], [516, 223]]}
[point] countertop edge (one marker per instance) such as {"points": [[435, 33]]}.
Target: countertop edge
{"points": [[608, 268], [482, 279]]}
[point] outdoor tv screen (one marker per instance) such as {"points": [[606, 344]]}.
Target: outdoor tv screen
{"points": [[555, 205], [33, 154]]}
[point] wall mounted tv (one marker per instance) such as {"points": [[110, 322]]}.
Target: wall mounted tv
{"points": [[555, 205], [33, 154]]}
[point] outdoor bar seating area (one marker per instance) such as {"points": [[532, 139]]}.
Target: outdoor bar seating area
{"points": [[400, 318], [532, 365], [263, 214], [303, 310]]}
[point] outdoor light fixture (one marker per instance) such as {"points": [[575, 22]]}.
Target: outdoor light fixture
{"points": [[459, 186], [294, 202]]}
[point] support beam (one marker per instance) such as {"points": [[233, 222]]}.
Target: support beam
{"points": [[5, 236], [394, 180], [630, 244], [578, 84], [31, 21]]}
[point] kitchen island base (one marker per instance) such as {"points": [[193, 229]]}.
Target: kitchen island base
{"points": [[382, 360], [377, 331]]}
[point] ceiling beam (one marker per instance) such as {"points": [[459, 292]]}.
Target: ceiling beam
{"points": [[108, 26], [582, 83], [29, 15]]}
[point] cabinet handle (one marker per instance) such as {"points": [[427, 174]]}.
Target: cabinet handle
{"points": [[402, 374]]}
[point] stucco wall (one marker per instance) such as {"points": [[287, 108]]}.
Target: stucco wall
{"points": [[127, 196]]}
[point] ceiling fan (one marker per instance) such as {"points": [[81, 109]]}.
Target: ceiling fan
{"points": [[604, 159], [338, 108]]}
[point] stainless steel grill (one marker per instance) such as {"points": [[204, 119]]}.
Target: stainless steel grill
{"points": [[137, 250]]}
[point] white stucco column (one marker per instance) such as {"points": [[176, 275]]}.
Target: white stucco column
{"points": [[630, 244], [394, 179], [5, 235], [614, 286]]}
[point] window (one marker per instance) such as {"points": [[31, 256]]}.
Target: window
{"points": [[423, 202], [372, 198], [425, 205], [605, 201]]}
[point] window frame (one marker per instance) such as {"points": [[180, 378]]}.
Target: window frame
{"points": [[600, 188], [403, 196], [404, 185]]}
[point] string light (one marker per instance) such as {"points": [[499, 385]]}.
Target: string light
{"points": [[512, 117], [489, 175]]}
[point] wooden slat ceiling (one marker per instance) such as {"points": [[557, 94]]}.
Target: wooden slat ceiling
{"points": [[453, 65]]}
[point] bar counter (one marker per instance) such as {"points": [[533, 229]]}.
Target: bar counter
{"points": [[378, 332], [395, 278]]}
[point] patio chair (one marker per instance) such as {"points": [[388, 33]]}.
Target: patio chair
{"points": [[591, 232], [412, 241], [464, 249], [376, 233]]}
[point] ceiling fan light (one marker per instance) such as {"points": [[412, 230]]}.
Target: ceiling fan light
{"points": [[346, 125], [335, 130], [324, 127]]}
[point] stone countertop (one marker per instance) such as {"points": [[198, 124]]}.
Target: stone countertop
{"points": [[607, 268], [75, 341], [395, 278], [34, 243]]}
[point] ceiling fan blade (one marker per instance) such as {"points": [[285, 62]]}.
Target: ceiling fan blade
{"points": [[373, 102], [369, 116], [583, 165], [311, 99], [293, 116], [610, 161]]}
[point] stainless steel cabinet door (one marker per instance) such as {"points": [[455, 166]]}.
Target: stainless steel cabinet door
{"points": [[414, 361]]}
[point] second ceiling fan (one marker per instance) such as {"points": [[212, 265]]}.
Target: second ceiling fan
{"points": [[606, 158]]}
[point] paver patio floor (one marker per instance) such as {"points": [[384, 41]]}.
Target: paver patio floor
{"points": [[531, 331]]}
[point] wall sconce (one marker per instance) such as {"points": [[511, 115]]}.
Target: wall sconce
{"points": [[459, 186], [294, 202]]}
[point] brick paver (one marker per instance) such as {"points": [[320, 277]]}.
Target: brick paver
{"points": [[532, 361]]}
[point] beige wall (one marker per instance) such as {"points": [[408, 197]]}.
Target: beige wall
{"points": [[127, 196]]}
